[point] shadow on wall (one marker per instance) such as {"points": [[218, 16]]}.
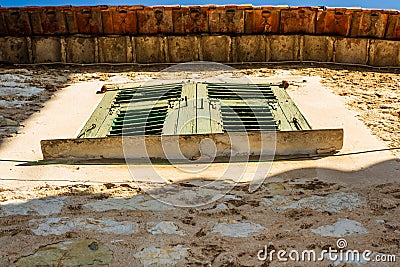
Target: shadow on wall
{"points": [[34, 85], [93, 223], [386, 172]]}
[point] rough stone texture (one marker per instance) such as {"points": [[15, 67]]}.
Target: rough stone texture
{"points": [[237, 229], [215, 48], [333, 203], [384, 53], [14, 50], [283, 48], [149, 49], [351, 50], [115, 49], [219, 207], [135, 203], [230, 196], [165, 227], [275, 202], [62, 225], [341, 228], [226, 259], [249, 48], [69, 253], [43, 207], [318, 48], [7, 122], [153, 256], [46, 49], [283, 228], [81, 50], [183, 48]]}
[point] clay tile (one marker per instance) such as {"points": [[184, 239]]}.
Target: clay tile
{"points": [[334, 21], [101, 7], [3, 26], [121, 20], [155, 20], [136, 7], [17, 22], [193, 19], [70, 18], [245, 7], [298, 20], [88, 20], [226, 20], [262, 20], [393, 28], [369, 23]]}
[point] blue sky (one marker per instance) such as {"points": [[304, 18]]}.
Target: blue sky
{"points": [[385, 4]]}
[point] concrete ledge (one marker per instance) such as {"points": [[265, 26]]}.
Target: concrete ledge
{"points": [[149, 49], [349, 50], [215, 48], [14, 50], [318, 48], [139, 147], [183, 48], [115, 49], [46, 50], [249, 48], [283, 47], [221, 48], [384, 53], [81, 49]]}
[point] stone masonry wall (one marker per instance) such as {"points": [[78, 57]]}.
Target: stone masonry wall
{"points": [[170, 34]]}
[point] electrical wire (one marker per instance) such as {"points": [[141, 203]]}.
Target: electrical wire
{"points": [[343, 154], [313, 156]]}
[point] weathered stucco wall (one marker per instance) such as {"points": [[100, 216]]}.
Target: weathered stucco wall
{"points": [[137, 34]]}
